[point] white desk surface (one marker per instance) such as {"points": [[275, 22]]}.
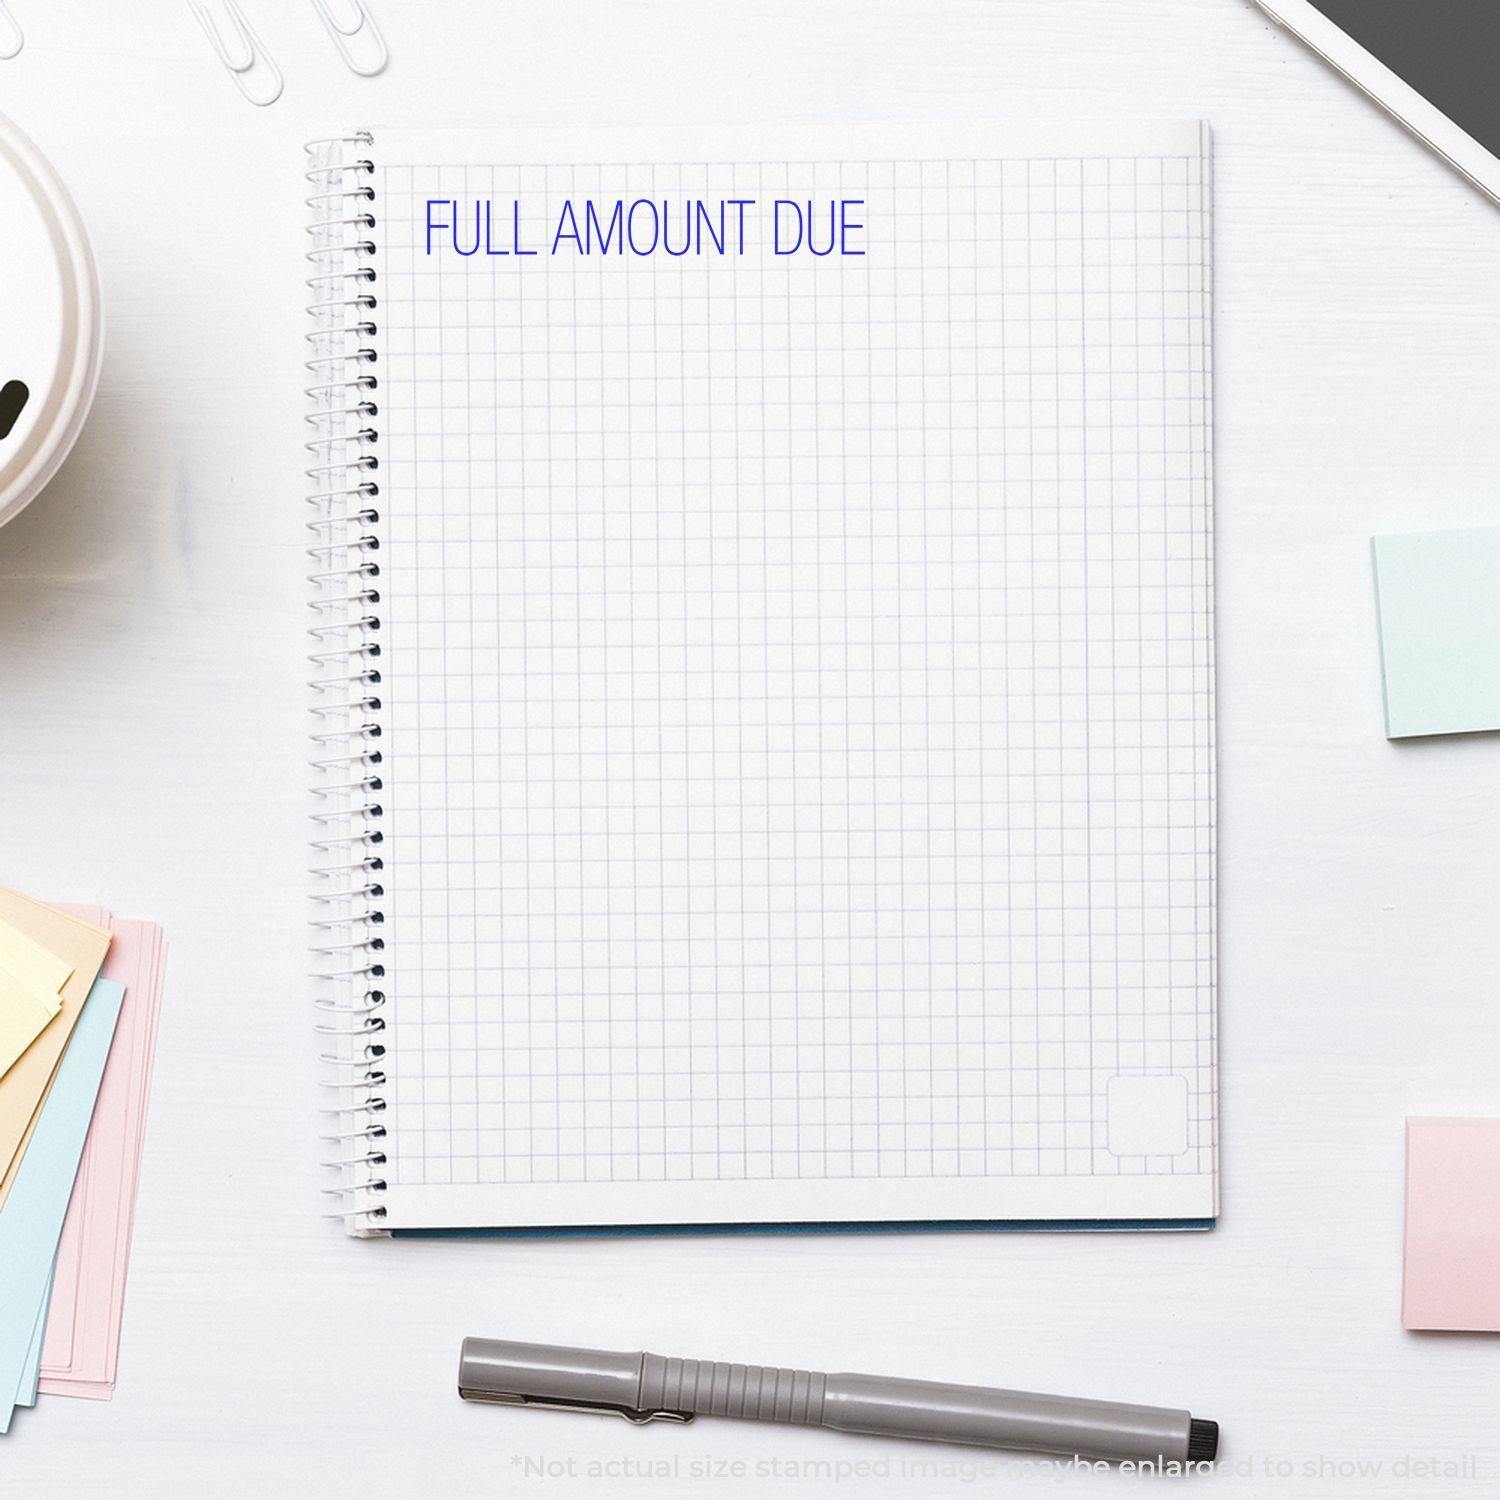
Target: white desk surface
{"points": [[152, 760]]}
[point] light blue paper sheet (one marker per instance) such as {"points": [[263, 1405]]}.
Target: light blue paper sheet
{"points": [[1437, 596], [31, 1376], [31, 1221], [31, 1373]]}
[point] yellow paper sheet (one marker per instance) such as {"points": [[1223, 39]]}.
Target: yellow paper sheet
{"points": [[25, 1008], [29, 960], [82, 946]]}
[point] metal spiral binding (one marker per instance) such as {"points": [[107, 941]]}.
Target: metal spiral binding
{"points": [[343, 547]]}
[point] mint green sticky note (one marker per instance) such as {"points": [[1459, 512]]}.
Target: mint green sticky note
{"points": [[1437, 598], [31, 1218]]}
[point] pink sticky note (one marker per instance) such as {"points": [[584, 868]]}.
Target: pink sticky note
{"points": [[81, 1349], [1452, 1225]]}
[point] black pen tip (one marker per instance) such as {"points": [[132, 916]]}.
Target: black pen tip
{"points": [[1203, 1441]]}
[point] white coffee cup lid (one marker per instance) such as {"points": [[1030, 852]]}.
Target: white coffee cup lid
{"points": [[49, 311]]}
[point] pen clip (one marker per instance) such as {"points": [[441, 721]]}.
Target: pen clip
{"points": [[518, 1398]]}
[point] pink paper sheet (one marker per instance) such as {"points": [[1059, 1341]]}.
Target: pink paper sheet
{"points": [[1452, 1276], [80, 1353]]}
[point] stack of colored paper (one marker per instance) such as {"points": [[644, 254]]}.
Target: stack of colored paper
{"points": [[80, 993]]}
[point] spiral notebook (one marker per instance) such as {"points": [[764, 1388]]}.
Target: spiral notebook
{"points": [[765, 691]]}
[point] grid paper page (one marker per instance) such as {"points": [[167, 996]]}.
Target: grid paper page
{"points": [[798, 679]]}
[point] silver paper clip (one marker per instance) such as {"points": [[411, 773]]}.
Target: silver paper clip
{"points": [[12, 38], [345, 32], [247, 58]]}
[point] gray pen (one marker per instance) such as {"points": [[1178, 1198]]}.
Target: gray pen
{"points": [[646, 1387]]}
